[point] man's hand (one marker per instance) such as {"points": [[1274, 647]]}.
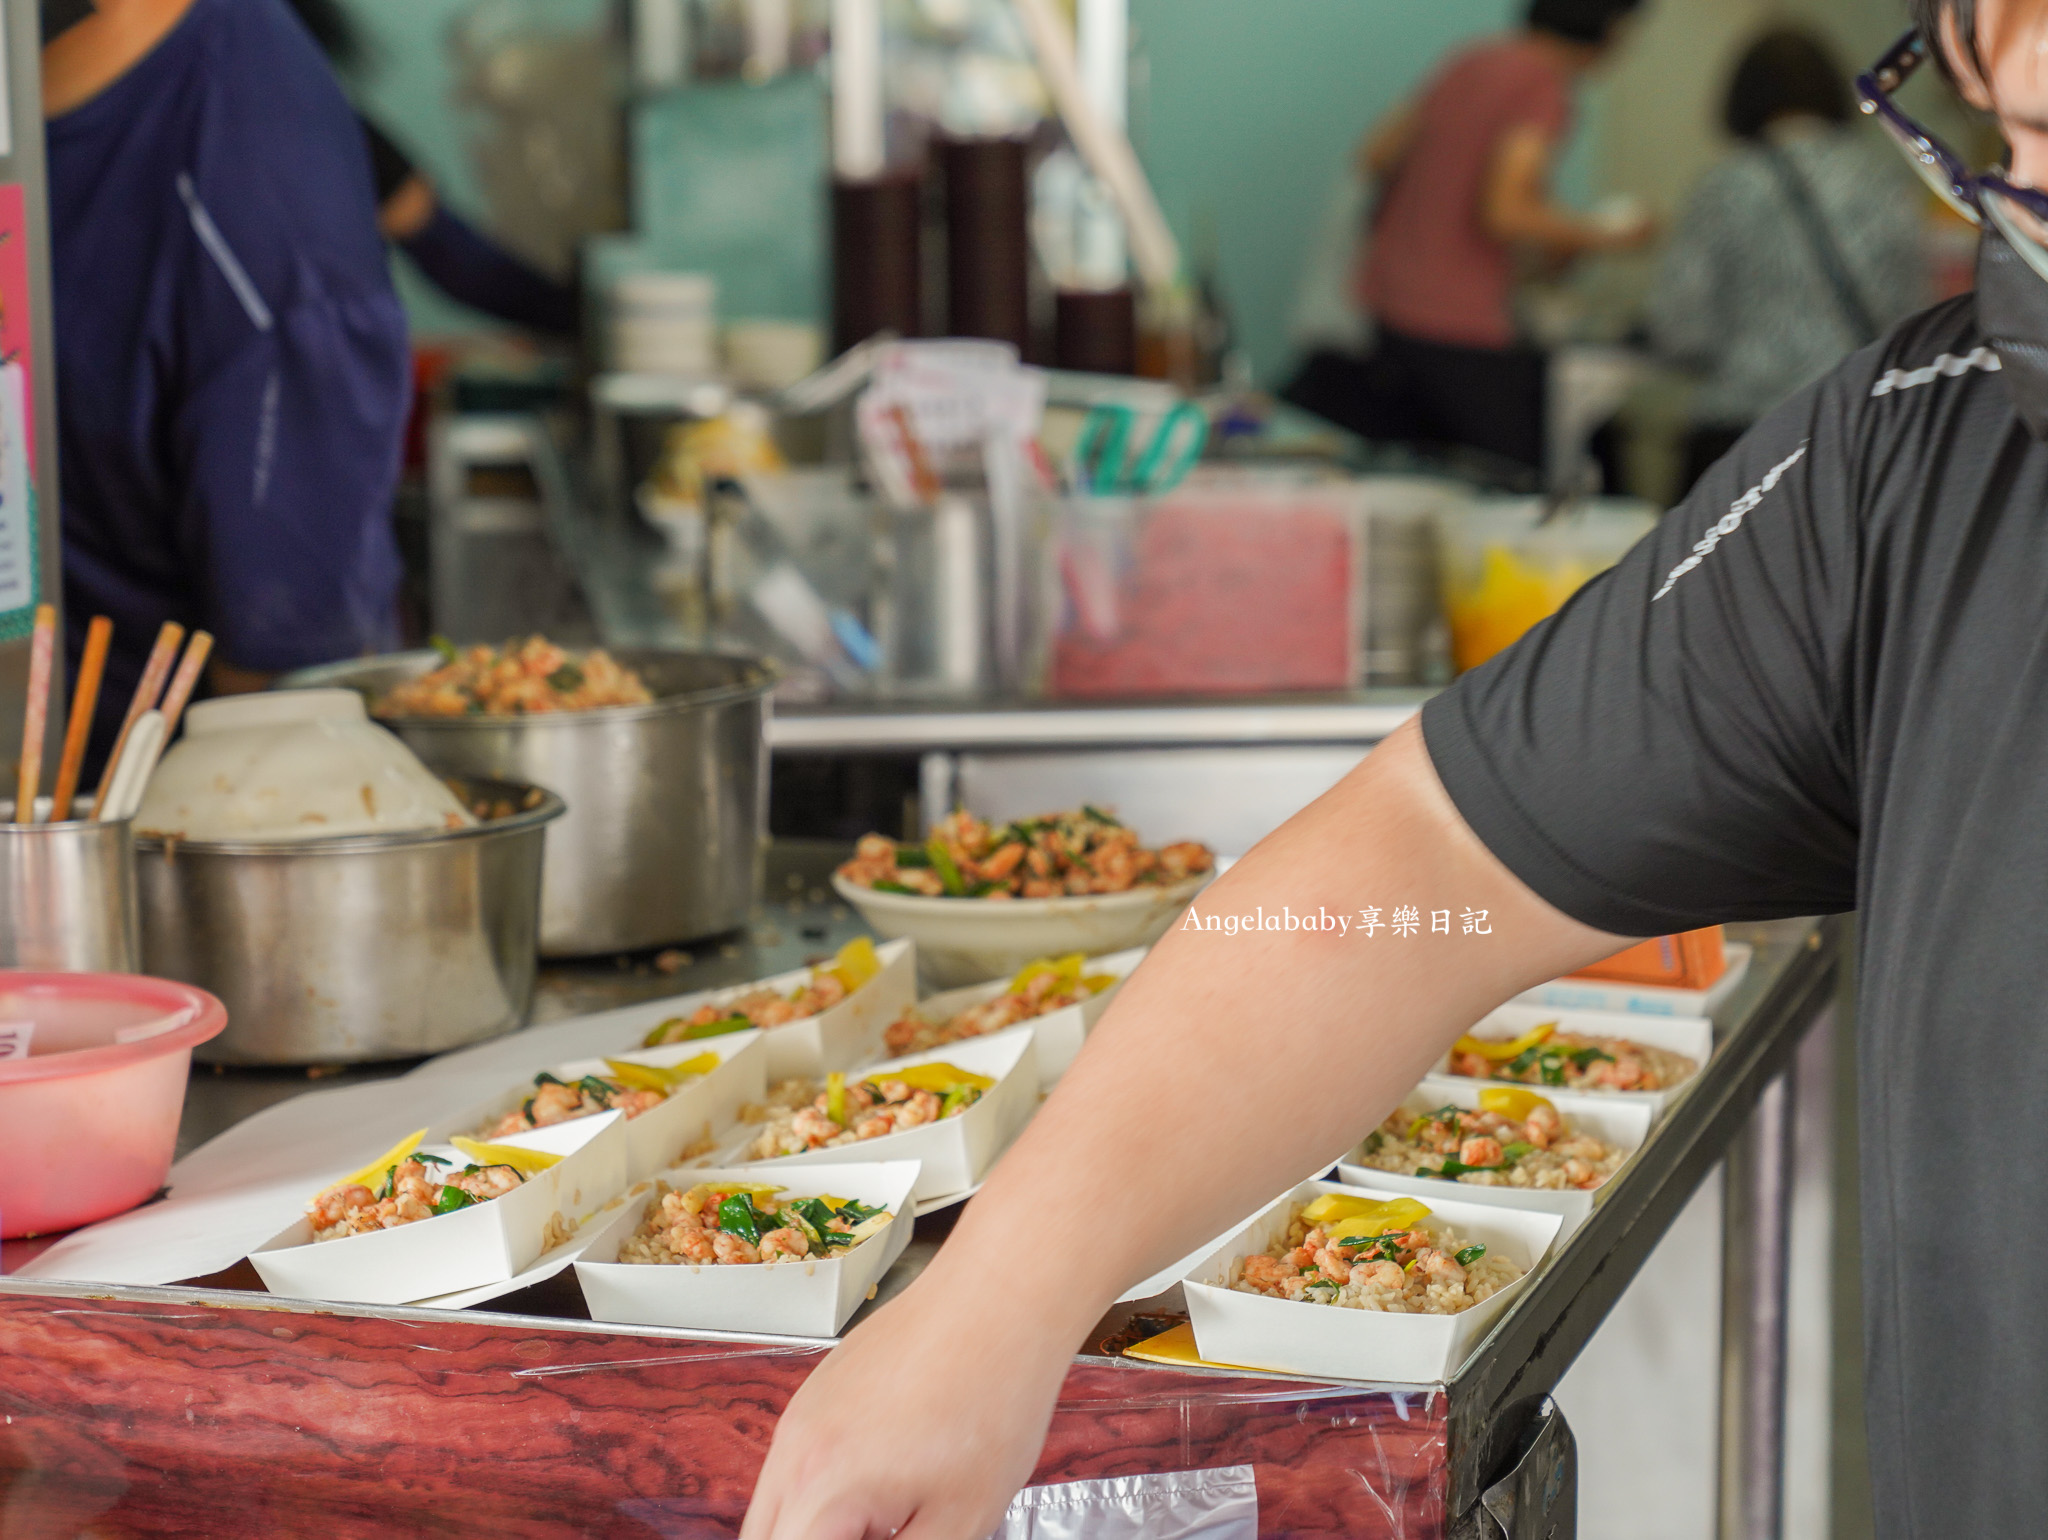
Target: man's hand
{"points": [[1232, 1063]]}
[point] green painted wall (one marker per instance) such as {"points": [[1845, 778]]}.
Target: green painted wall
{"points": [[1244, 114]]}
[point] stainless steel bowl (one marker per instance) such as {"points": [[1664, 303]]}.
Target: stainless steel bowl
{"points": [[668, 802], [355, 947]]}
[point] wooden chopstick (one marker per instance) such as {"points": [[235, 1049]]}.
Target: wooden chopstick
{"points": [[85, 699], [42, 651], [151, 685], [185, 681]]}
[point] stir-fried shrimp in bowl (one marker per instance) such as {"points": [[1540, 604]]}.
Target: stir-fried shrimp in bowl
{"points": [[1058, 855]]}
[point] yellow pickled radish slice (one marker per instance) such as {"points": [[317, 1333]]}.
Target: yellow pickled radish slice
{"points": [[1095, 983], [1067, 970], [1361, 1218], [695, 1199], [1499, 1052], [835, 1098], [935, 1077], [856, 963], [660, 1077], [526, 1162], [1512, 1101], [871, 1225], [372, 1175]]}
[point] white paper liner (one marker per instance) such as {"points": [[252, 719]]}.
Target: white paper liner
{"points": [[698, 1114], [1692, 1036], [1624, 1123], [956, 1152], [1255, 1331], [482, 1244], [797, 1299], [1057, 1034]]}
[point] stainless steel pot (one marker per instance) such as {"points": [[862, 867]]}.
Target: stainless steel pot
{"points": [[372, 946], [668, 802]]}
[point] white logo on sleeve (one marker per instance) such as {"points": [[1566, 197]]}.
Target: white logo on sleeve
{"points": [[1951, 366], [1730, 521]]}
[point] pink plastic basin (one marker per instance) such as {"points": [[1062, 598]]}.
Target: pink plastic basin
{"points": [[89, 1121]]}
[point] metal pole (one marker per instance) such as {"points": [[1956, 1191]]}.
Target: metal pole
{"points": [[1756, 1216]]}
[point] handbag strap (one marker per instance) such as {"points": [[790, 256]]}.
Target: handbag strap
{"points": [[1825, 251]]}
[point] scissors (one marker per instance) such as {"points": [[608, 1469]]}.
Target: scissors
{"points": [[1103, 460]]}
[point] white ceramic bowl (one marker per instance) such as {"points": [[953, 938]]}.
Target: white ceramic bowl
{"points": [[969, 940], [292, 764]]}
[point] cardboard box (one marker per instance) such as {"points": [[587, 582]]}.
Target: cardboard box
{"points": [[797, 1299], [954, 1154], [1058, 1034], [1328, 1342], [1692, 1036], [695, 1114], [484, 1243], [1693, 959], [1625, 1125], [1578, 993]]}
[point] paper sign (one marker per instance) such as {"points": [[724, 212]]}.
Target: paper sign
{"points": [[14, 1036], [19, 569]]}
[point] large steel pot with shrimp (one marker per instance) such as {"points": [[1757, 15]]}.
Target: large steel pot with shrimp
{"points": [[668, 801], [356, 946]]}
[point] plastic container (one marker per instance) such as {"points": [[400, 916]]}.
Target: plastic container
{"points": [[89, 1119], [1502, 571], [1227, 585]]}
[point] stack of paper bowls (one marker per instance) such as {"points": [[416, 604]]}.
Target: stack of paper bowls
{"points": [[665, 323]]}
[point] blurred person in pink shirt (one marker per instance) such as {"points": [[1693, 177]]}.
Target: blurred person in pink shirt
{"points": [[1464, 208]]}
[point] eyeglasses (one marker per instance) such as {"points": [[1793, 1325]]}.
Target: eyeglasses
{"points": [[2020, 214]]}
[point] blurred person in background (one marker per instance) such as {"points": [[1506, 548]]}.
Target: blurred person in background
{"points": [[232, 370], [1802, 246], [1465, 206], [457, 258]]}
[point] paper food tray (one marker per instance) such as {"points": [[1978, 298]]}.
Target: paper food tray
{"points": [[1619, 1122], [955, 1153], [1692, 1036], [795, 1299], [1293, 1337], [483, 1244], [843, 1036], [849, 1033], [698, 1113], [1643, 999], [1057, 1034]]}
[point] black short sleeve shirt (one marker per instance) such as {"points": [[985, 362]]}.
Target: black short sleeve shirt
{"points": [[1822, 683]]}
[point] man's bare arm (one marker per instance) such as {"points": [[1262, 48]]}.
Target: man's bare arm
{"points": [[1228, 1068]]}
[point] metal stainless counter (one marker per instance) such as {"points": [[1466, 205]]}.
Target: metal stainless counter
{"points": [[1493, 1417]]}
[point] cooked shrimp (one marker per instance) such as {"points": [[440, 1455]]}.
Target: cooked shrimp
{"points": [[1264, 1272], [1480, 1152], [785, 1245], [1543, 1125], [696, 1245], [1379, 1275], [1438, 1266], [734, 1248]]}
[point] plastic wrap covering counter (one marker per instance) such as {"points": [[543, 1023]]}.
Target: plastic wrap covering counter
{"points": [[173, 1416]]}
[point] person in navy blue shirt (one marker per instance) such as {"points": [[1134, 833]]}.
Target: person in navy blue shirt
{"points": [[232, 370]]}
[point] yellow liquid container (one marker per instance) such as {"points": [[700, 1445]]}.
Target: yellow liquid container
{"points": [[1502, 572]]}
